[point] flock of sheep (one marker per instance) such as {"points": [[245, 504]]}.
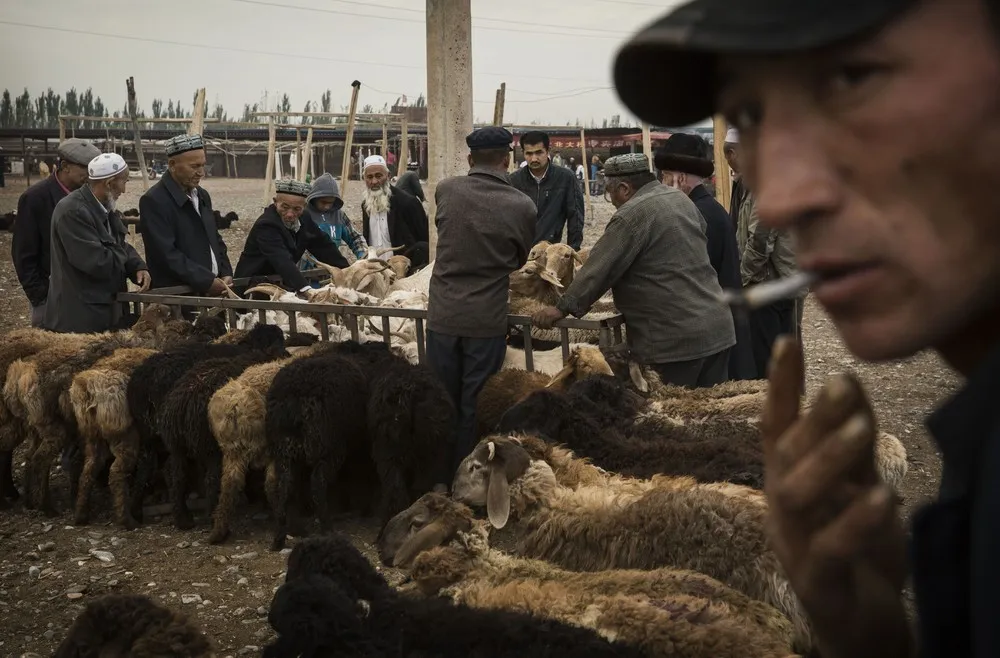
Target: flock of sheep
{"points": [[636, 506]]}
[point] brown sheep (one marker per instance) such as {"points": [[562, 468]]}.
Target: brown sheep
{"points": [[563, 260], [538, 252], [105, 425], [507, 387], [132, 626], [447, 553], [676, 523]]}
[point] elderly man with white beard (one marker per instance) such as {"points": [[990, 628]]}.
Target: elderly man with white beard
{"points": [[392, 218], [90, 258]]}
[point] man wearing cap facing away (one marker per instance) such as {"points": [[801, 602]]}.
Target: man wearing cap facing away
{"points": [[183, 245], [282, 234], [654, 256], [91, 259], [870, 131], [485, 231], [29, 248], [684, 162], [391, 217]]}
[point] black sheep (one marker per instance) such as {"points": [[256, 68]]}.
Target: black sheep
{"points": [[120, 625], [183, 425], [152, 381], [717, 450], [315, 421], [334, 603], [222, 222], [7, 221]]}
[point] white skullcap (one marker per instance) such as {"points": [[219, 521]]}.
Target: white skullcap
{"points": [[733, 136], [106, 165], [373, 160]]}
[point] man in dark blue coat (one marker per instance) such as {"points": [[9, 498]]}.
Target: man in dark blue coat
{"points": [[183, 245], [30, 247], [684, 163], [282, 234]]}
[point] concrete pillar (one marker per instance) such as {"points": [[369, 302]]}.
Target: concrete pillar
{"points": [[449, 93]]}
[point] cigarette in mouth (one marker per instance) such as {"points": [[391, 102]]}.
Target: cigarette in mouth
{"points": [[770, 292]]}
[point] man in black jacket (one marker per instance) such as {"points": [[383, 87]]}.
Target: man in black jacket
{"points": [[183, 245], [684, 163], [282, 234], [410, 181], [868, 132], [557, 196], [391, 217], [29, 248]]}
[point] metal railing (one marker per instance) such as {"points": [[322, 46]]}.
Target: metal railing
{"points": [[609, 329]]}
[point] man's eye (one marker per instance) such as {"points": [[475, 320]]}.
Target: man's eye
{"points": [[849, 76]]}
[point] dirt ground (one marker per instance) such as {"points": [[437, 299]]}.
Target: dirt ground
{"points": [[49, 568]]}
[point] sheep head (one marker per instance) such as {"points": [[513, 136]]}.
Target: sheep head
{"points": [[535, 280], [561, 259], [583, 362], [433, 520], [484, 477], [400, 265], [153, 317], [538, 253], [273, 291]]}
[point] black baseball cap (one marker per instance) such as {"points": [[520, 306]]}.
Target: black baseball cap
{"points": [[666, 73]]}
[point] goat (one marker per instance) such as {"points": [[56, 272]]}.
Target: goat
{"points": [[593, 528], [666, 612]]}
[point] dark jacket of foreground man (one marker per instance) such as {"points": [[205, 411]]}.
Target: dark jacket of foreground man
{"points": [[558, 203], [485, 230], [178, 239], [90, 264], [273, 248]]}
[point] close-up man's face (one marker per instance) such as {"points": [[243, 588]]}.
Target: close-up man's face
{"points": [[880, 157], [376, 177], [188, 168], [289, 207], [536, 155]]}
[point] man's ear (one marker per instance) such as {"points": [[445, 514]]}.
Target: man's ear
{"points": [[471, 163]]}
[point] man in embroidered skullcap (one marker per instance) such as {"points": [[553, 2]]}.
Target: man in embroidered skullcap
{"points": [[392, 217], [29, 249], [91, 260], [183, 245], [282, 234], [685, 162], [485, 231], [654, 257]]}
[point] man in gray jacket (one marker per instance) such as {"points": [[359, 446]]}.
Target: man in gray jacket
{"points": [[654, 256], [90, 258], [485, 230]]}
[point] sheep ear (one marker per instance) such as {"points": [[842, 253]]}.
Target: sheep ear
{"points": [[635, 374], [550, 276], [562, 375], [433, 534], [498, 497]]}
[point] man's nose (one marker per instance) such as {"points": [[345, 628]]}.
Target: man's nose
{"points": [[794, 178]]}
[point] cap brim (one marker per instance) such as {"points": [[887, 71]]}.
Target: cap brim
{"points": [[666, 74]]}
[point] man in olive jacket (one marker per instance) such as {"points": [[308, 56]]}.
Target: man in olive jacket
{"points": [[90, 258], [485, 230]]}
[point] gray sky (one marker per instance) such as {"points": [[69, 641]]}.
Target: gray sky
{"points": [[554, 55]]}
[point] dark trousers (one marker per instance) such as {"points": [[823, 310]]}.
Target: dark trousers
{"points": [[766, 324], [697, 373], [741, 362], [463, 365]]}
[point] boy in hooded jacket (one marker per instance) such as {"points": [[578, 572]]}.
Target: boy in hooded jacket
{"points": [[325, 206]]}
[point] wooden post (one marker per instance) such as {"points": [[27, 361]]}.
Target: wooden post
{"points": [[345, 169], [136, 137], [24, 161], [723, 183], [62, 130], [269, 174], [225, 153], [298, 156], [404, 146], [323, 161], [385, 140], [498, 105], [308, 154], [586, 174], [198, 118], [647, 144]]}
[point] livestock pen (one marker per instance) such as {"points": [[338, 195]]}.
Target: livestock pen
{"points": [[609, 329]]}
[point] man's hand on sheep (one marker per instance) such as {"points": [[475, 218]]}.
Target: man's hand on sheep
{"points": [[545, 318], [832, 523]]}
